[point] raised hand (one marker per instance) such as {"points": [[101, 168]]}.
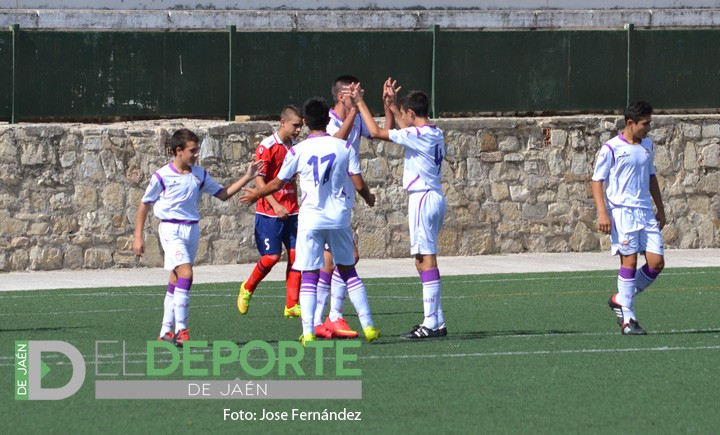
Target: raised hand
{"points": [[254, 169], [390, 91], [356, 92]]}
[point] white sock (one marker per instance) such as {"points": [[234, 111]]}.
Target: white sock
{"points": [[308, 301], [626, 293], [338, 291], [168, 314], [323, 293], [182, 307], [431, 298], [440, 314], [358, 297]]}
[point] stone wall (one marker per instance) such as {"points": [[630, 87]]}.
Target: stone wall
{"points": [[69, 192]]}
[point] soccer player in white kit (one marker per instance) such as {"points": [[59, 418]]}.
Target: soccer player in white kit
{"points": [[345, 123], [424, 146], [625, 210], [175, 190], [324, 164]]}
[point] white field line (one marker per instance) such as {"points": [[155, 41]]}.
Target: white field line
{"points": [[546, 352], [411, 282], [117, 357]]}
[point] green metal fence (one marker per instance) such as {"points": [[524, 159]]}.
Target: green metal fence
{"points": [[224, 73], [677, 69], [6, 75], [530, 71], [116, 74], [276, 68]]}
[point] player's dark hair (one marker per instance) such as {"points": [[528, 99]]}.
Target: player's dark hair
{"points": [[637, 110], [341, 81], [180, 139], [417, 101], [316, 113], [290, 110]]}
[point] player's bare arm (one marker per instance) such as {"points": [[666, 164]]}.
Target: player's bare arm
{"points": [[347, 125], [599, 198], [657, 198], [392, 113], [389, 88], [375, 131], [252, 171], [252, 195], [280, 211], [138, 241], [363, 189], [349, 114]]}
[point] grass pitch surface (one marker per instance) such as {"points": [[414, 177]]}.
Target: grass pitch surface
{"points": [[526, 353]]}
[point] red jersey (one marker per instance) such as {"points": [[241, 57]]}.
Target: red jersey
{"points": [[272, 151]]}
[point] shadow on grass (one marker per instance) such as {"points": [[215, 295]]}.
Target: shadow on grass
{"points": [[684, 332], [471, 335]]}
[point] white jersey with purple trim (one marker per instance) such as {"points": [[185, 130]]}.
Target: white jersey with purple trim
{"points": [[626, 170], [177, 196], [359, 129], [424, 153], [323, 165]]}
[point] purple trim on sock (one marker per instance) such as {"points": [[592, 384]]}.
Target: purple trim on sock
{"points": [[325, 277], [627, 273], [184, 283], [430, 275], [650, 272], [171, 288], [310, 278], [346, 274]]}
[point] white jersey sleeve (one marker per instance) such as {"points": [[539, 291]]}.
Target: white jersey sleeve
{"points": [[358, 130], [290, 165], [209, 185], [354, 160], [334, 124], [364, 130], [154, 189], [605, 160]]}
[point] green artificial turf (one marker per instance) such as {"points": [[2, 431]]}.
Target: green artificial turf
{"points": [[526, 353]]}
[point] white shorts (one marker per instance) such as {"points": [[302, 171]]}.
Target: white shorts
{"points": [[310, 247], [635, 230], [426, 212], [180, 243]]}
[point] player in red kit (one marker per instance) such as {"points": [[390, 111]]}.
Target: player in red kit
{"points": [[276, 215]]}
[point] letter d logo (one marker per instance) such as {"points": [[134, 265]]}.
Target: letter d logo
{"points": [[36, 370]]}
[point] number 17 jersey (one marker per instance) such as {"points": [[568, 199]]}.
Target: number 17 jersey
{"points": [[323, 164]]}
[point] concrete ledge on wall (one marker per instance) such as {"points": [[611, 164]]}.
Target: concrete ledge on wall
{"points": [[343, 20]]}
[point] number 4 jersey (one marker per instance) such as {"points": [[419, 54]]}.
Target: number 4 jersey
{"points": [[324, 165], [424, 153]]}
